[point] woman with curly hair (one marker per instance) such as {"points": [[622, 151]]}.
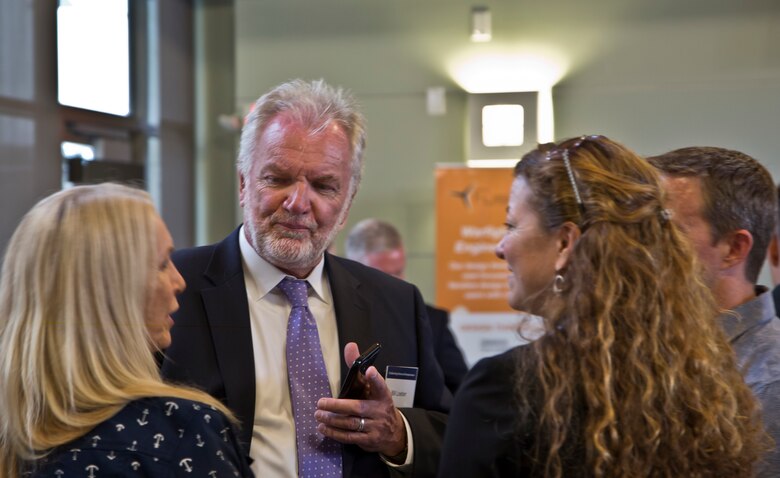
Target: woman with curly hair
{"points": [[632, 376], [86, 293]]}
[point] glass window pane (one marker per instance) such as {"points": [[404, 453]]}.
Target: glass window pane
{"points": [[16, 50], [93, 55], [77, 150]]}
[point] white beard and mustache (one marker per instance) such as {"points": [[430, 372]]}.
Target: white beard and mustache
{"points": [[291, 249]]}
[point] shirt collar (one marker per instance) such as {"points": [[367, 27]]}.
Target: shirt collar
{"points": [[266, 276], [755, 312]]}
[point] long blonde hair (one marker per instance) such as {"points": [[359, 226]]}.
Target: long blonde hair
{"points": [[633, 365], [75, 349]]}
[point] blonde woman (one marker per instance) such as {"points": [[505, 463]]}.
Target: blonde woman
{"points": [[86, 293], [633, 376]]}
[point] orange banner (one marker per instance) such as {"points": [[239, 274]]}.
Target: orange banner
{"points": [[471, 282], [471, 210]]}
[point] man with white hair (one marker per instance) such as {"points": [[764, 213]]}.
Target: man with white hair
{"points": [[267, 311]]}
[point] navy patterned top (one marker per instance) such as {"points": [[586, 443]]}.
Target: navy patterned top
{"points": [[151, 437]]}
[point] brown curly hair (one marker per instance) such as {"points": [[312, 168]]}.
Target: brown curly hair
{"points": [[632, 361]]}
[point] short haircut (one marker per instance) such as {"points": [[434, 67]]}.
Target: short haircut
{"points": [[777, 222], [370, 236], [738, 193], [314, 104]]}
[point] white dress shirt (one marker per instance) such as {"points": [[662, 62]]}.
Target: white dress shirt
{"points": [[273, 446], [273, 430]]}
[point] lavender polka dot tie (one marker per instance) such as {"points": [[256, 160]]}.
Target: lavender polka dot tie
{"points": [[318, 456]]}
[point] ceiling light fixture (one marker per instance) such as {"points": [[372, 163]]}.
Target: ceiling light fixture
{"points": [[481, 30]]}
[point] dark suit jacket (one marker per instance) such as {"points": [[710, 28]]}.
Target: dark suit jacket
{"points": [[212, 342], [447, 352], [486, 437]]}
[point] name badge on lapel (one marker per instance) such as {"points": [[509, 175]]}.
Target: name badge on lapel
{"points": [[402, 382]]}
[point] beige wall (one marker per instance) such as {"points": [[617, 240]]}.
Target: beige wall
{"points": [[654, 75]]}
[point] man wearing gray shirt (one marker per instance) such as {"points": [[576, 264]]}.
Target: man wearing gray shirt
{"points": [[773, 259], [726, 203]]}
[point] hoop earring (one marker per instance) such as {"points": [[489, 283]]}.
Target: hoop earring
{"points": [[558, 283]]}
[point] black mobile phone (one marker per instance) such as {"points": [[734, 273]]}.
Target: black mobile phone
{"points": [[351, 387]]}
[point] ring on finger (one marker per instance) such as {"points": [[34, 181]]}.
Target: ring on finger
{"points": [[361, 425]]}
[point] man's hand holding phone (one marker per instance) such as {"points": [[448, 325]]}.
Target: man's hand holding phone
{"points": [[371, 421], [355, 385]]}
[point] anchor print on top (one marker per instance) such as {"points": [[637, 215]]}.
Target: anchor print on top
{"points": [[143, 421], [151, 437], [91, 469]]}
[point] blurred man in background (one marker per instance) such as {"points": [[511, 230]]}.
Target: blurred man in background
{"points": [[378, 244]]}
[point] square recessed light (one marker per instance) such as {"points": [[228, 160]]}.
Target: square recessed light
{"points": [[502, 125]]}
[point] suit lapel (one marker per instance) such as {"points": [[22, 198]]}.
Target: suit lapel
{"points": [[228, 317], [352, 309], [354, 325]]}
